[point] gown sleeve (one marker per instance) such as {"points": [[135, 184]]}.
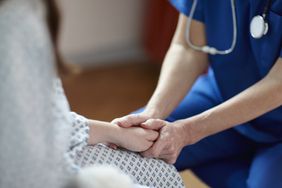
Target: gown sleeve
{"points": [[79, 130], [79, 134]]}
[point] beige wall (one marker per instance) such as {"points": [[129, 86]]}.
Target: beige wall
{"points": [[101, 30]]}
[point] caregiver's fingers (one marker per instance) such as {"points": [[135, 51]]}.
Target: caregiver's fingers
{"points": [[130, 120], [155, 150], [154, 124], [152, 135], [112, 146], [168, 158]]}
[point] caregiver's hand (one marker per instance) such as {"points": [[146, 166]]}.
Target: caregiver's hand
{"points": [[131, 120], [172, 138]]}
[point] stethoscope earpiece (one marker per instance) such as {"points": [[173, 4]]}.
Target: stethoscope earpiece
{"points": [[258, 27]]}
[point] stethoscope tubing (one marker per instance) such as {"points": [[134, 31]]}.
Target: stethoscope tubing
{"points": [[213, 50], [208, 49]]}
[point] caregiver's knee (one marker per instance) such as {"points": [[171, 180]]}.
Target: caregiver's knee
{"points": [[259, 182], [266, 169]]}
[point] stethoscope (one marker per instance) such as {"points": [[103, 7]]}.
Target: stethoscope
{"points": [[258, 28]]}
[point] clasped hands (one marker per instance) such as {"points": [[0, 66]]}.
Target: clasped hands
{"points": [[159, 138]]}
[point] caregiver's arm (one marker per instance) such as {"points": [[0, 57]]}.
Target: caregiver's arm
{"points": [[253, 102], [181, 67], [262, 97]]}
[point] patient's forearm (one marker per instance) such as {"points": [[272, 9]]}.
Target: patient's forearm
{"points": [[101, 132]]}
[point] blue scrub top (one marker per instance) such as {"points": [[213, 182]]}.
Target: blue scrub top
{"points": [[251, 59]]}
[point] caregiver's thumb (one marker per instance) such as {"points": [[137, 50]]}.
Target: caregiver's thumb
{"points": [[153, 124], [130, 120]]}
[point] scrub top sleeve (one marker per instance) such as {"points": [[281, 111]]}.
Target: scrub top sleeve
{"points": [[281, 53], [184, 7]]}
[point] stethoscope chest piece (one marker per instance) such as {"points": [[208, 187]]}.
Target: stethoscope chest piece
{"points": [[258, 27]]}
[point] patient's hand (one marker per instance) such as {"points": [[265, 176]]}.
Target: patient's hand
{"points": [[135, 139]]}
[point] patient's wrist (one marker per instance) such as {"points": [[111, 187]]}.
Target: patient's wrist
{"points": [[101, 132], [114, 134]]}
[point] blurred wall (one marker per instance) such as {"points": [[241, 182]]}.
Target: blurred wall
{"points": [[100, 31]]}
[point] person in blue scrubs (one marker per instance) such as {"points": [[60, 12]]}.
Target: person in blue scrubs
{"points": [[228, 128]]}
